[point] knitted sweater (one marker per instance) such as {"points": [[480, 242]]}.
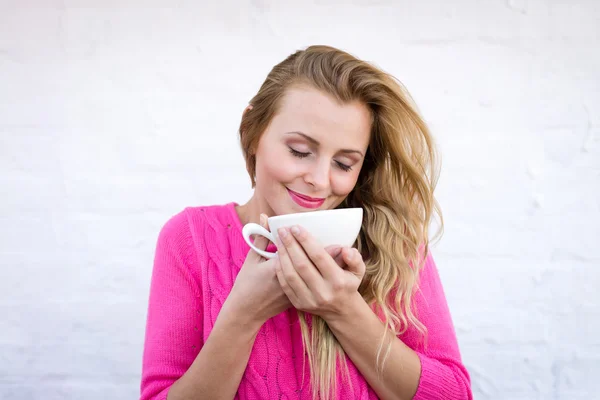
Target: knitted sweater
{"points": [[198, 255]]}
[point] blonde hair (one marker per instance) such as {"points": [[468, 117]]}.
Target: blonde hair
{"points": [[395, 189]]}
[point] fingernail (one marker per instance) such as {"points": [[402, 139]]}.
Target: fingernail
{"points": [[282, 232], [351, 255], [295, 230], [336, 251]]}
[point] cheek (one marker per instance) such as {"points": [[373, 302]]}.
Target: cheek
{"points": [[276, 168], [343, 184]]}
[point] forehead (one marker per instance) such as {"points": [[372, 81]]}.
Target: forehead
{"points": [[321, 116]]}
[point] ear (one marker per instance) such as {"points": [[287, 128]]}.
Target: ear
{"points": [[248, 108]]}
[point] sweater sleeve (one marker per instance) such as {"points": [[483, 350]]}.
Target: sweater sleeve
{"points": [[174, 318], [443, 375]]}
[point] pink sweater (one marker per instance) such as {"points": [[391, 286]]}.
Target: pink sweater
{"points": [[198, 255]]}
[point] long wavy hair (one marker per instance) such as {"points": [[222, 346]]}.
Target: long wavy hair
{"points": [[395, 189]]}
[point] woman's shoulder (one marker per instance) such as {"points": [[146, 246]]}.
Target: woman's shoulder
{"points": [[193, 219], [205, 230], [221, 212], [212, 233]]}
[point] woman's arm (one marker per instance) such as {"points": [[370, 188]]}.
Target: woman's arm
{"points": [[177, 365], [217, 371], [359, 331], [432, 372], [314, 283], [174, 319], [176, 362]]}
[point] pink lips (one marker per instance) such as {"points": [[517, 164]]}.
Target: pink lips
{"points": [[305, 201]]}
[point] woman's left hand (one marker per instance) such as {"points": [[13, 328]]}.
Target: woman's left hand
{"points": [[310, 276]]}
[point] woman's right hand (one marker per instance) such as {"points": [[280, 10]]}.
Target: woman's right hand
{"points": [[256, 295]]}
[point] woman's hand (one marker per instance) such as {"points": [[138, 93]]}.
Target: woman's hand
{"points": [[256, 295], [311, 276]]}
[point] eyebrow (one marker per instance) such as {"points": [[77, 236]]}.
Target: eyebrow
{"points": [[316, 142]]}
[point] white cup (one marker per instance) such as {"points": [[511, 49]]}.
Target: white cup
{"points": [[330, 227]]}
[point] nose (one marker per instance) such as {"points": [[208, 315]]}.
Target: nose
{"points": [[318, 176]]}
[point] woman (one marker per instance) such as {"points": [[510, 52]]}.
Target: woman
{"points": [[325, 131]]}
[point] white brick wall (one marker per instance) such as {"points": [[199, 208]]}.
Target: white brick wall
{"points": [[111, 115]]}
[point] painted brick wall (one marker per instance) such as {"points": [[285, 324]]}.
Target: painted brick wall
{"points": [[114, 115]]}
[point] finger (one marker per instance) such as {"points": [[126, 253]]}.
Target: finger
{"points": [[288, 269], [300, 261], [336, 253], [285, 287], [354, 261], [316, 253]]}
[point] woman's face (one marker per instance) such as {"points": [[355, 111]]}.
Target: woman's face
{"points": [[310, 156]]}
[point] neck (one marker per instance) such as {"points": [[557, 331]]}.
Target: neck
{"points": [[250, 212]]}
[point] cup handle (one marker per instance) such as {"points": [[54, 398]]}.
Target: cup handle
{"points": [[255, 229]]}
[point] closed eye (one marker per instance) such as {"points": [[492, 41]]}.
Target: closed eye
{"points": [[298, 153], [343, 167]]}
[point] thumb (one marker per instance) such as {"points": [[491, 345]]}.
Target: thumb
{"points": [[354, 261], [336, 253]]}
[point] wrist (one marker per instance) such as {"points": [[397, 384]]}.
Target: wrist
{"points": [[238, 319], [349, 312]]}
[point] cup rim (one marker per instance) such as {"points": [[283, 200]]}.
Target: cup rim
{"points": [[320, 212]]}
